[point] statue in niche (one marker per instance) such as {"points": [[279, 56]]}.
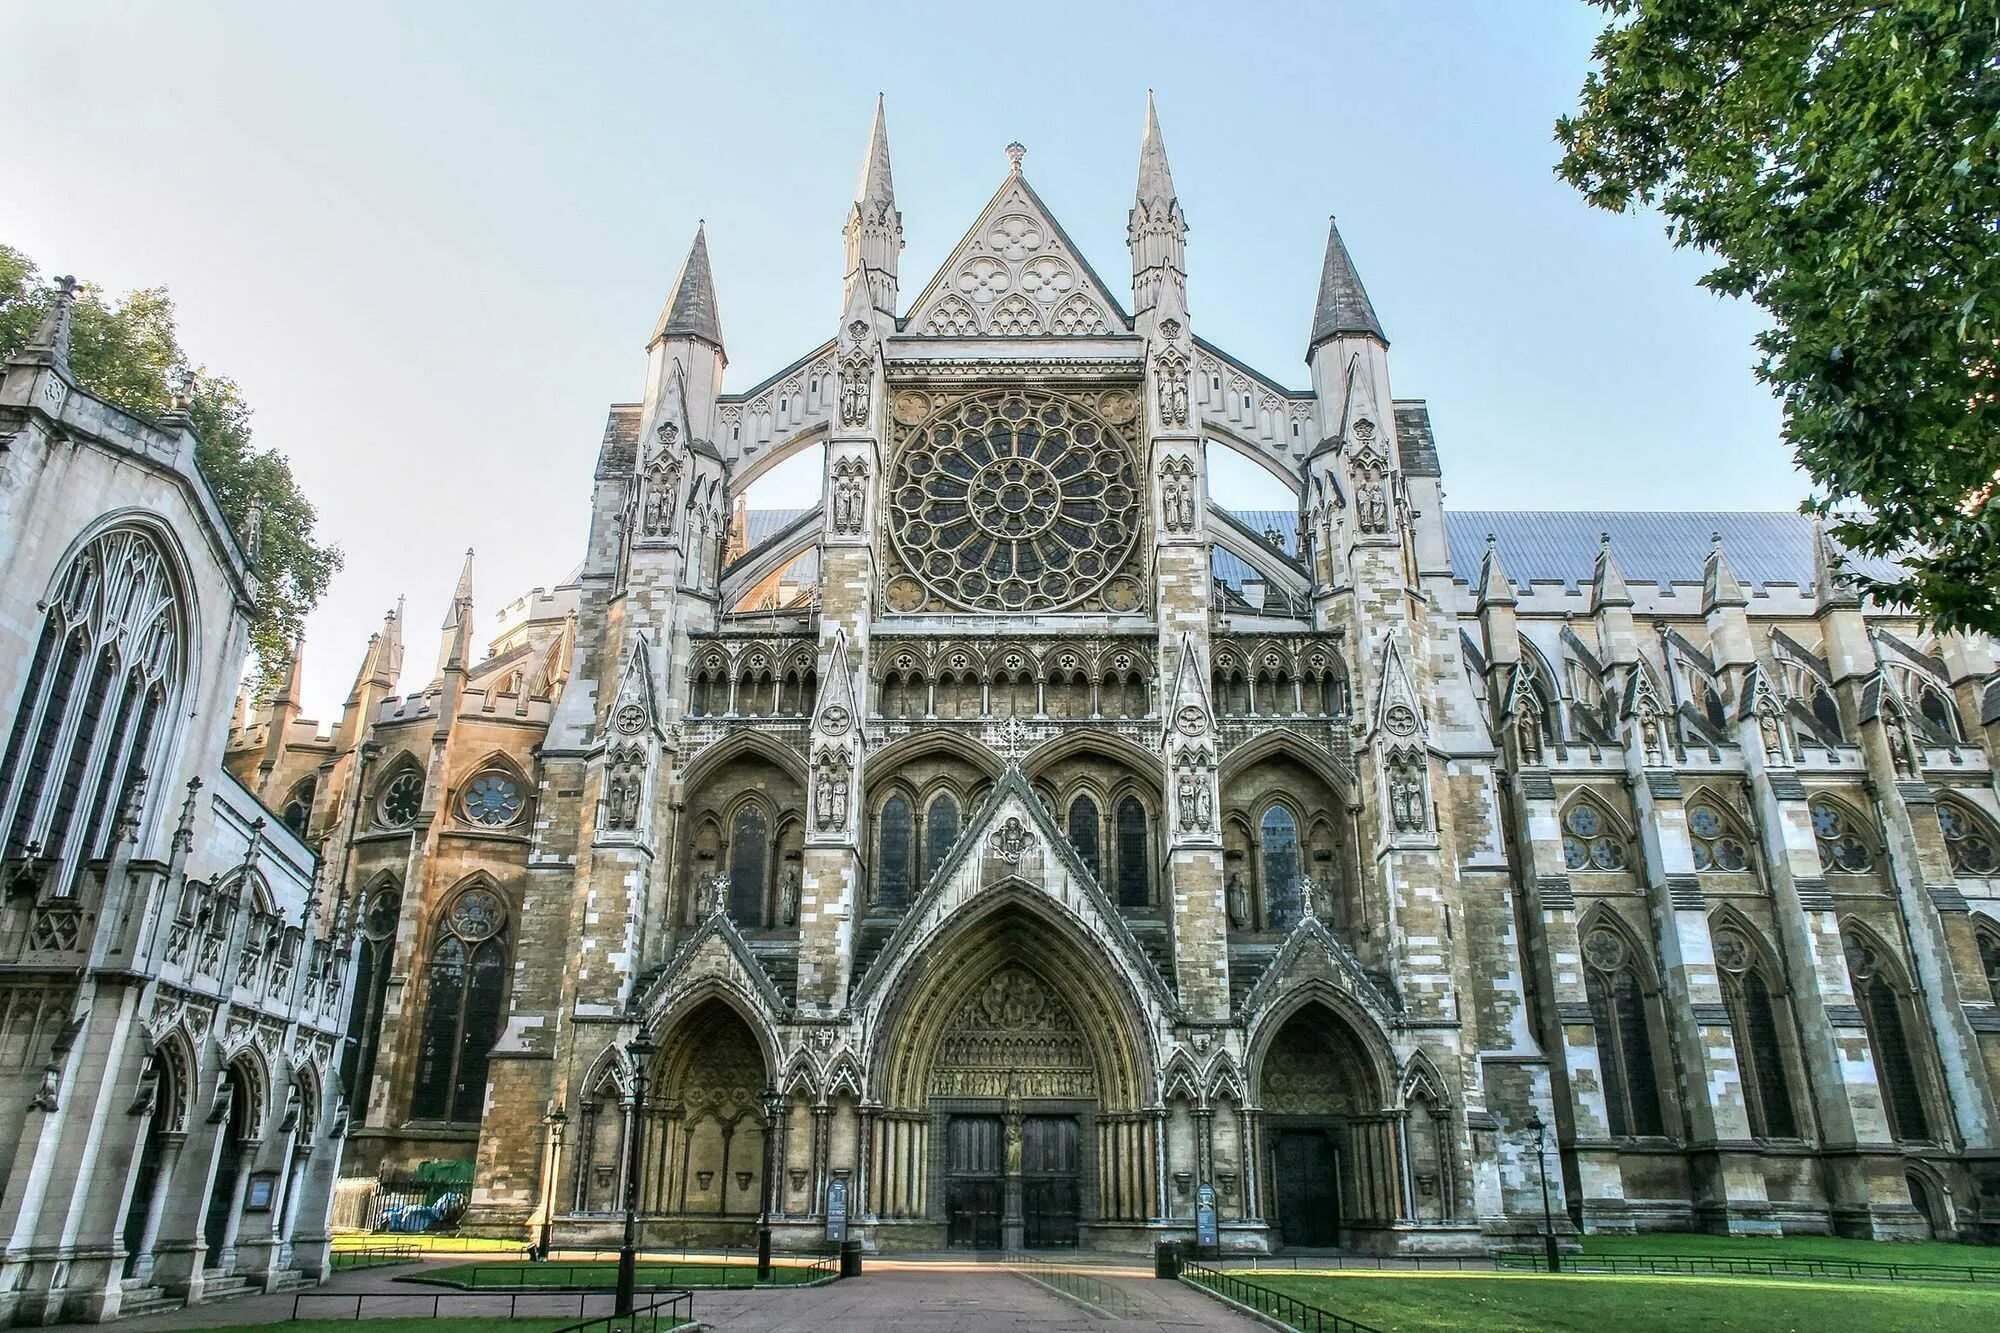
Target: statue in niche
{"points": [[830, 794], [1371, 503], [1900, 754], [1651, 739], [1236, 897], [788, 898], [1773, 737], [1406, 793], [1528, 732], [850, 477], [1177, 495], [857, 377], [1172, 367]]}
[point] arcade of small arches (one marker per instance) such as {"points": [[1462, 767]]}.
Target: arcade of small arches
{"points": [[1009, 1095]]}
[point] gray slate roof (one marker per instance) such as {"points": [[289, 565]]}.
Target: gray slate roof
{"points": [[1546, 545]]}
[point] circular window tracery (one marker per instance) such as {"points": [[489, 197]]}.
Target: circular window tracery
{"points": [[1012, 501], [476, 914], [401, 798], [493, 799]]}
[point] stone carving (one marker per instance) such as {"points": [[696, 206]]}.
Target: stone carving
{"points": [[1400, 719], [1236, 899], [1652, 738], [1171, 368], [1371, 504], [832, 782], [1528, 736], [1177, 494], [712, 897], [1409, 809], [1193, 799], [850, 495], [788, 898], [1013, 1038], [1011, 841], [1770, 733], [630, 719], [857, 383], [910, 407], [624, 786]]}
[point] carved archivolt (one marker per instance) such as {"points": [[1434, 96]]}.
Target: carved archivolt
{"points": [[1012, 1034]]}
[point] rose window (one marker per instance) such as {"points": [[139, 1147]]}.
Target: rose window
{"points": [[1015, 501], [493, 799]]}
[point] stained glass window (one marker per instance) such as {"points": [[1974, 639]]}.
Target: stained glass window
{"points": [[1280, 836], [465, 987], [1716, 844], [1968, 839], [493, 799], [1084, 834], [402, 796], [1135, 872], [940, 832], [1624, 1035], [1589, 842], [749, 862], [895, 854], [1881, 1001], [1841, 847], [1759, 1052]]}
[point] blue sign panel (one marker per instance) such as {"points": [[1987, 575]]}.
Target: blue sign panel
{"points": [[1204, 1218], [836, 1210]]}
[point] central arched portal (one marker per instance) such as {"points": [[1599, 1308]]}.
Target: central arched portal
{"points": [[1331, 1153], [1010, 1086]]}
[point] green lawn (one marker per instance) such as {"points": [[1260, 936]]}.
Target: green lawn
{"points": [[428, 1244], [482, 1277], [1407, 1303], [1798, 1247]]}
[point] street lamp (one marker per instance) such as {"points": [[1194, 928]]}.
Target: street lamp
{"points": [[773, 1104], [1542, 1164], [639, 1050], [555, 1120]]}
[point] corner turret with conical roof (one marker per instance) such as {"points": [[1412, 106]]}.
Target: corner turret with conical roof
{"points": [[686, 346]]}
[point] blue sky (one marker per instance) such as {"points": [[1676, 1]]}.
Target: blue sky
{"points": [[430, 240]]}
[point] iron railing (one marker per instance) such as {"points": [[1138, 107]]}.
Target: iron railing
{"points": [[1069, 1278], [408, 1304], [594, 1273], [1301, 1315], [357, 1257], [672, 1312], [1715, 1265]]}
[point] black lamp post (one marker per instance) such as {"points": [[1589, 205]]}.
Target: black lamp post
{"points": [[773, 1104], [555, 1119], [640, 1051], [1542, 1165]]}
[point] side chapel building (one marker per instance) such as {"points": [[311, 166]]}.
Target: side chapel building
{"points": [[1038, 848]]}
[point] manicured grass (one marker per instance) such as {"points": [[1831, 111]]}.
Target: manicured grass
{"points": [[1503, 1303], [1798, 1247], [556, 1273], [423, 1241]]}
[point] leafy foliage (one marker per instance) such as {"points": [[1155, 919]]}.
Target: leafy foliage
{"points": [[128, 352], [1842, 161]]}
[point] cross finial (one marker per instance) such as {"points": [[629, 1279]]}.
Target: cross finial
{"points": [[1013, 741], [1015, 152]]}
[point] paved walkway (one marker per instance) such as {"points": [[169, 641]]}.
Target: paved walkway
{"points": [[901, 1296]]}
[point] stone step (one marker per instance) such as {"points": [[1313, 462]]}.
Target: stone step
{"points": [[221, 1287], [147, 1300]]}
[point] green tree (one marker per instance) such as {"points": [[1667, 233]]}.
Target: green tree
{"points": [[127, 352], [1842, 161]]}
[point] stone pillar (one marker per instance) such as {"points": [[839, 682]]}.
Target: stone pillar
{"points": [[232, 1225], [171, 1143], [1730, 1193], [822, 1127]]}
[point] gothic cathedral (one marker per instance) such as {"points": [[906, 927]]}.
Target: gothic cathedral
{"points": [[1016, 847]]}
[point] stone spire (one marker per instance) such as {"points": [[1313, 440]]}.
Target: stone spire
{"points": [[1607, 581], [691, 309], [287, 690], [452, 654], [1344, 307], [1829, 589], [1495, 588], [1156, 230], [50, 344], [874, 225], [1719, 585]]}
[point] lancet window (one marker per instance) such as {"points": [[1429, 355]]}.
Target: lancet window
{"points": [[1883, 997], [373, 962], [1591, 840], [465, 984], [1845, 846], [99, 691], [1752, 1000], [1621, 1007]]}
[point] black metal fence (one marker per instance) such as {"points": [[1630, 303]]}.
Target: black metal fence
{"points": [[669, 1313], [1302, 1315], [372, 1255], [1715, 1265], [666, 1308], [1069, 1278], [594, 1274]]}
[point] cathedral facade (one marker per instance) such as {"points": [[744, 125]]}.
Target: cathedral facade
{"points": [[1018, 848]]}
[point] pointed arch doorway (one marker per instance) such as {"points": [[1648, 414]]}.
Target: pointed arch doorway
{"points": [[1011, 1114], [1332, 1152]]}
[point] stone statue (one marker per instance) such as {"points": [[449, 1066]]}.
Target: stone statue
{"points": [[1186, 800], [1899, 746], [1528, 731], [1372, 506], [1237, 900], [1406, 794], [1774, 741], [788, 899]]}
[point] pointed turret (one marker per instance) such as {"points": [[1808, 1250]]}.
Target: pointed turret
{"points": [[1719, 585], [1343, 307], [1495, 588], [457, 627], [373, 682], [691, 310], [286, 688], [49, 346], [1829, 588], [874, 226], [1156, 230], [1607, 580]]}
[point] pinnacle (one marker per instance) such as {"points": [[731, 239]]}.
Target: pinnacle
{"points": [[1719, 584], [1343, 306], [1156, 178], [876, 185], [691, 310]]}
